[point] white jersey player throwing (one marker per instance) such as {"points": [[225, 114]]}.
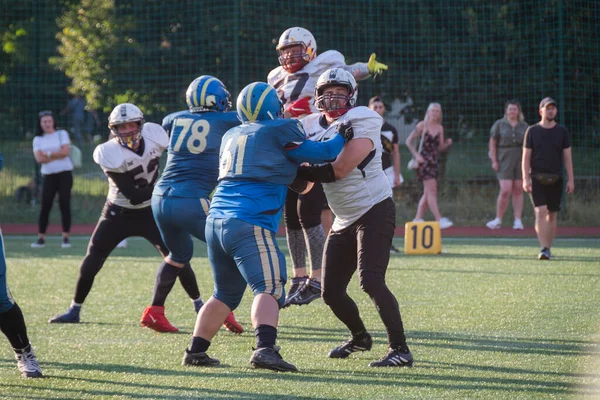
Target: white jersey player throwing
{"points": [[306, 216]]}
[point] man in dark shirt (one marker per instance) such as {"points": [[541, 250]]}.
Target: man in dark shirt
{"points": [[547, 148], [390, 152]]}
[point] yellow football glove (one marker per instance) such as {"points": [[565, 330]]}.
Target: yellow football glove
{"points": [[374, 67]]}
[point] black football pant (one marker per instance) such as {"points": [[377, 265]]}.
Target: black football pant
{"points": [[115, 224], [363, 246]]}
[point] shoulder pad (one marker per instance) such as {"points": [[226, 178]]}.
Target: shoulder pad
{"points": [[365, 122], [326, 60], [272, 77], [109, 156], [155, 133]]}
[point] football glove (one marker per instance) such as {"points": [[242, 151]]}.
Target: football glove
{"points": [[300, 107], [346, 131], [374, 67]]}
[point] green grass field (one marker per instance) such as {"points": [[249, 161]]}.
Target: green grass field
{"points": [[484, 320]]}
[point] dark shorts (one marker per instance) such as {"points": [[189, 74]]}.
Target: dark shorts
{"points": [[547, 195], [304, 210]]}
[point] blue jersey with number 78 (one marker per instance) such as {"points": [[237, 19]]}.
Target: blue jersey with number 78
{"points": [[193, 152]]}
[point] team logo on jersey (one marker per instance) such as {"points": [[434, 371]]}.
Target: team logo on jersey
{"points": [[130, 163]]}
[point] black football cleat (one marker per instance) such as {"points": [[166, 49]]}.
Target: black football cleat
{"points": [[394, 358], [363, 343], [200, 359], [269, 358]]}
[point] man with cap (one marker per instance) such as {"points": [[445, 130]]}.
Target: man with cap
{"points": [[546, 149]]}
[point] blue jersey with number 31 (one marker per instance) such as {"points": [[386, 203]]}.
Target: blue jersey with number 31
{"points": [[193, 153]]}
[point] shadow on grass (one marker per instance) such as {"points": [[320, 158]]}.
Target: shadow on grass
{"points": [[517, 345], [390, 378]]}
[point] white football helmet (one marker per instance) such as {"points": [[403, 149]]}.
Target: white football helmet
{"points": [[295, 36], [123, 113], [335, 105]]}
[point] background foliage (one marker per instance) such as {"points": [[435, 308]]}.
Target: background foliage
{"points": [[471, 56]]}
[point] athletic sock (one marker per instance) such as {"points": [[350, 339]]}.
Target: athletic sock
{"points": [[199, 345], [266, 335], [165, 279], [187, 278]]}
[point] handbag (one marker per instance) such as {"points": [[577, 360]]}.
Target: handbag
{"points": [[76, 156], [546, 179], [413, 164]]}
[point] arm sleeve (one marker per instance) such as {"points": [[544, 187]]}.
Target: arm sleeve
{"points": [[127, 186], [317, 152], [316, 173]]}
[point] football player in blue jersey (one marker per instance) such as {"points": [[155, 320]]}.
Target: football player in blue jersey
{"points": [[12, 323], [180, 199], [258, 160]]}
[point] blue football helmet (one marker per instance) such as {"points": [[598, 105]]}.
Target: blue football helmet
{"points": [[207, 93], [258, 102]]}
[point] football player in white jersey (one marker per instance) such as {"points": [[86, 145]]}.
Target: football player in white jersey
{"points": [[130, 160], [360, 196], [295, 80]]}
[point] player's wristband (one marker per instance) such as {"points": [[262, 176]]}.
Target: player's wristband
{"points": [[321, 173]]}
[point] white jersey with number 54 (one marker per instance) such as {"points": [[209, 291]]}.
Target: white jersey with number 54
{"points": [[300, 84], [112, 157]]}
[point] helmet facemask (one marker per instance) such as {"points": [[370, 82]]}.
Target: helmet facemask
{"points": [[293, 62], [335, 104], [128, 139]]}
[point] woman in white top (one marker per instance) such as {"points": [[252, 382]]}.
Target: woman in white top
{"points": [[51, 148]]}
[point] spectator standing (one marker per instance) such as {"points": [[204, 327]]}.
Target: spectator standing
{"points": [[547, 150], [51, 148], [431, 132], [505, 152], [390, 151], [76, 109]]}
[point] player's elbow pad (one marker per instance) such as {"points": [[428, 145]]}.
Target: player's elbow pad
{"points": [[320, 173]]}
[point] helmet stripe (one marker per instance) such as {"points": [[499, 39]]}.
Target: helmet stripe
{"points": [[260, 102], [204, 89], [247, 108], [193, 93]]}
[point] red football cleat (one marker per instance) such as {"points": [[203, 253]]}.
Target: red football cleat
{"points": [[232, 325], [153, 317]]}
